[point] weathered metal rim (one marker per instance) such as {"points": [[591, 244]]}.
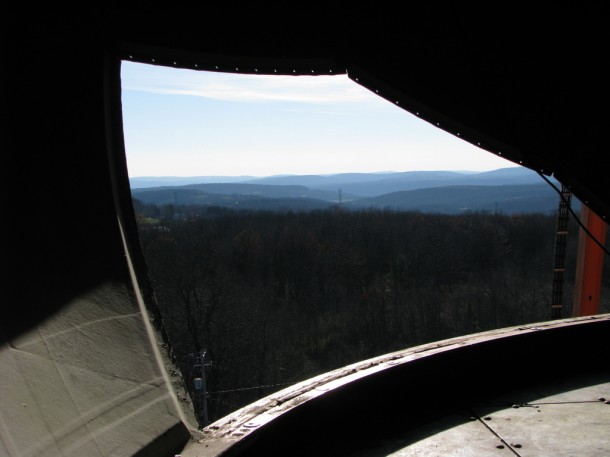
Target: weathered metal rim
{"points": [[235, 428]]}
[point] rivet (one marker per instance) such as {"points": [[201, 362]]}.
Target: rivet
{"points": [[174, 62], [487, 418], [607, 402], [515, 406], [376, 91], [131, 57], [478, 144], [330, 71], [274, 70], [518, 446], [356, 79], [458, 133], [256, 69], [499, 153], [294, 71], [196, 66], [153, 60], [438, 123], [500, 446], [236, 69], [397, 102], [521, 161], [417, 113], [216, 67]]}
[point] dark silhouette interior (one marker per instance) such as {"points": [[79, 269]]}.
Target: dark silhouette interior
{"points": [[528, 83]]}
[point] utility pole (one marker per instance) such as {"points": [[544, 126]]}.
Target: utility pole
{"points": [[199, 384]]}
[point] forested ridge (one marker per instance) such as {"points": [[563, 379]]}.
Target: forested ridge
{"points": [[277, 297]]}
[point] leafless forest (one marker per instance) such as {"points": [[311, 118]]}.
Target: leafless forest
{"points": [[274, 298]]}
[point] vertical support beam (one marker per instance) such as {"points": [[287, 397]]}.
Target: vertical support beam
{"points": [[561, 238], [589, 265]]}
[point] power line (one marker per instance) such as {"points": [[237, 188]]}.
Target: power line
{"points": [[582, 226], [250, 388]]}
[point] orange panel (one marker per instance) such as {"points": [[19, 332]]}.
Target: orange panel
{"points": [[589, 266]]}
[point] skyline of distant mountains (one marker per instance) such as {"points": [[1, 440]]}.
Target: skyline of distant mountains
{"points": [[508, 190], [423, 178], [288, 179]]}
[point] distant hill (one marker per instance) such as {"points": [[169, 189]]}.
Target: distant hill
{"points": [[186, 196], [354, 185], [533, 198], [507, 190], [412, 180], [331, 181], [200, 193], [267, 191], [160, 181]]}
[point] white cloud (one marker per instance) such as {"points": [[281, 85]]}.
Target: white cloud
{"points": [[243, 88]]}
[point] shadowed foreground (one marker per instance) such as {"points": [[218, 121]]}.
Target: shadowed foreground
{"points": [[409, 399]]}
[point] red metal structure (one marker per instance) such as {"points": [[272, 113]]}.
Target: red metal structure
{"points": [[589, 264]]}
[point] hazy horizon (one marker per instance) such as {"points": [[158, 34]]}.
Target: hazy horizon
{"points": [[325, 174]]}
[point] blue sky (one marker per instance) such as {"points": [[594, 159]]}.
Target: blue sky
{"points": [[190, 123]]}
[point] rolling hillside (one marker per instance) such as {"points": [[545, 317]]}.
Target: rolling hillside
{"points": [[534, 198], [511, 190]]}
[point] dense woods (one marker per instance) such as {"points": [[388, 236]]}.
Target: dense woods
{"points": [[277, 297]]}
